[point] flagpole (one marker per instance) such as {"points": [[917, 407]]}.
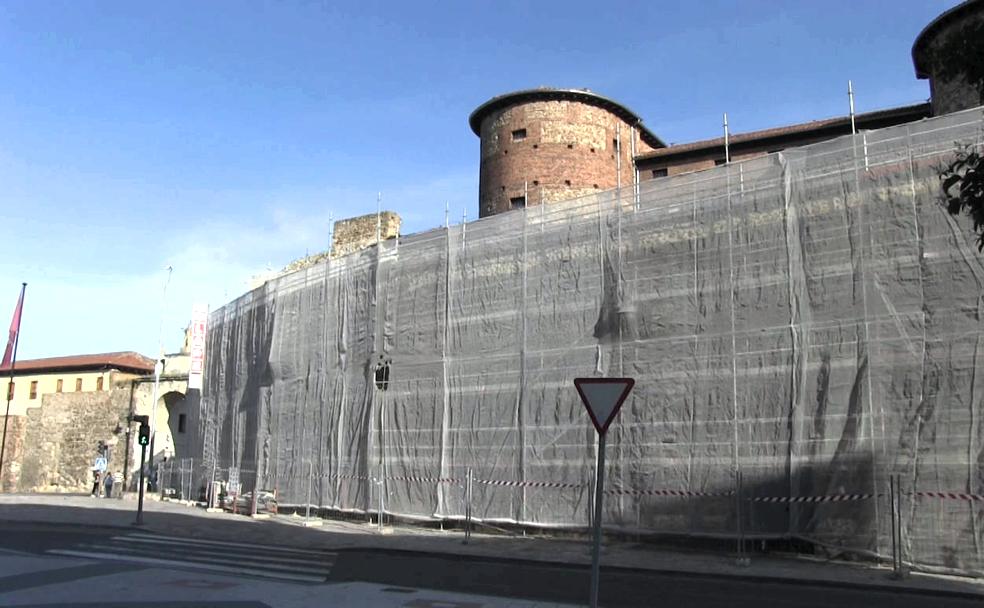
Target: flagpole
{"points": [[13, 363]]}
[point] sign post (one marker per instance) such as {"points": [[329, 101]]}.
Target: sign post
{"points": [[602, 398]]}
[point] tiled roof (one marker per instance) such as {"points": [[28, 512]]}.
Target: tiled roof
{"points": [[128, 361]]}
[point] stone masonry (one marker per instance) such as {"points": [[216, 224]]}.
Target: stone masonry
{"points": [[552, 150], [357, 233]]}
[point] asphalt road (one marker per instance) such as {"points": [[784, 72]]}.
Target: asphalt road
{"points": [[493, 577]]}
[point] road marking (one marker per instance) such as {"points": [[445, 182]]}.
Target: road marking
{"points": [[223, 543], [259, 563], [188, 565], [327, 558]]}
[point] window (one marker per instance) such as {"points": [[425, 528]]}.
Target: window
{"points": [[663, 172], [182, 422], [570, 146], [615, 145], [567, 182], [34, 389], [519, 135], [78, 384], [58, 386], [10, 391], [517, 202], [99, 383], [382, 376]]}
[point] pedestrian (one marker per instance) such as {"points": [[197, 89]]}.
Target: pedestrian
{"points": [[95, 482], [109, 485]]}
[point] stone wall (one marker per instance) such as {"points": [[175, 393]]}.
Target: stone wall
{"points": [[13, 452], [62, 438], [357, 233], [552, 151]]}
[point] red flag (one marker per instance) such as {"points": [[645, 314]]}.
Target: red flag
{"points": [[8, 354]]}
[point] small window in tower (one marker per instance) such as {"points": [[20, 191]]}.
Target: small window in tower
{"points": [[99, 383], [567, 182], [615, 144], [519, 134], [535, 146], [34, 389], [570, 146], [517, 202], [382, 375], [182, 423], [58, 386], [661, 172], [505, 151], [595, 186], [592, 150], [78, 384], [536, 182]]}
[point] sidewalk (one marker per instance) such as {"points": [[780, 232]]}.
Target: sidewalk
{"points": [[176, 519]]}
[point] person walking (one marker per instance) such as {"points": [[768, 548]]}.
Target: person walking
{"points": [[95, 482], [109, 485]]}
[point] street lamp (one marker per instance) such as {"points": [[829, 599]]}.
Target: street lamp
{"points": [[158, 370]]}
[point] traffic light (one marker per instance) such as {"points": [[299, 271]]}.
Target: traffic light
{"points": [[144, 437]]}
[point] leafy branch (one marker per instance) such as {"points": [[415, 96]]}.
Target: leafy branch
{"points": [[963, 188]]}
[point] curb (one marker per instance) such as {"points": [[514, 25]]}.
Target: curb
{"points": [[734, 576], [749, 578]]}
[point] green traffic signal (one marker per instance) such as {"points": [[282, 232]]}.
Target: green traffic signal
{"points": [[144, 437]]}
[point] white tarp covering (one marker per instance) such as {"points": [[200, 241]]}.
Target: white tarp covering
{"points": [[811, 319]]}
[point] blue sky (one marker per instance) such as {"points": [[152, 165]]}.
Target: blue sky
{"points": [[218, 136]]}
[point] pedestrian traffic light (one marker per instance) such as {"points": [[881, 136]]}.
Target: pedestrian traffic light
{"points": [[144, 436]]}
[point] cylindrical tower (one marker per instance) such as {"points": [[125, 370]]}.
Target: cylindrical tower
{"points": [[948, 52], [554, 144]]}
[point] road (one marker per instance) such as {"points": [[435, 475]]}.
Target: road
{"points": [[67, 565]]}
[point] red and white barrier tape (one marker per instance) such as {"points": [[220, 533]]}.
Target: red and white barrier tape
{"points": [[812, 499], [948, 495], [529, 484], [679, 493]]}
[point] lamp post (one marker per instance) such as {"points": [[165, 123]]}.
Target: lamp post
{"points": [[158, 370]]}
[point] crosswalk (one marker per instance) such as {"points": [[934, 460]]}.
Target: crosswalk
{"points": [[285, 563]]}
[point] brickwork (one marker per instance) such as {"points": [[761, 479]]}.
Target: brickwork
{"points": [[551, 150]]}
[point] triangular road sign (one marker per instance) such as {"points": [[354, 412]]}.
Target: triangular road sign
{"points": [[602, 398]]}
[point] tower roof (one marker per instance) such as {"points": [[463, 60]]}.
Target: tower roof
{"points": [[550, 94], [919, 58]]}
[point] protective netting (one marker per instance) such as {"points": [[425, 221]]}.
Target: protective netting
{"points": [[808, 322]]}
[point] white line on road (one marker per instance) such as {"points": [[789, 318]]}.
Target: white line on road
{"points": [[188, 565], [223, 543], [260, 564], [257, 555]]}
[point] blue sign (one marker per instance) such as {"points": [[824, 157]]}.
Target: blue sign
{"points": [[100, 464]]}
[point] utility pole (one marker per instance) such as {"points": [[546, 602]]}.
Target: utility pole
{"points": [[158, 367]]}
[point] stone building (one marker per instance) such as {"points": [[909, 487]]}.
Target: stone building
{"points": [[546, 145], [949, 52], [69, 410]]}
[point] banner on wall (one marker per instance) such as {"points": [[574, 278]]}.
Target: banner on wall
{"points": [[199, 320]]}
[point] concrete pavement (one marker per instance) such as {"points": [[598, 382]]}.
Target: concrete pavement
{"points": [[180, 520]]}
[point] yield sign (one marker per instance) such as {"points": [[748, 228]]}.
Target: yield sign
{"points": [[602, 398]]}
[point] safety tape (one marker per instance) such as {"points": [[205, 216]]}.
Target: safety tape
{"points": [[949, 495], [683, 493], [812, 499], [425, 479], [528, 484]]}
